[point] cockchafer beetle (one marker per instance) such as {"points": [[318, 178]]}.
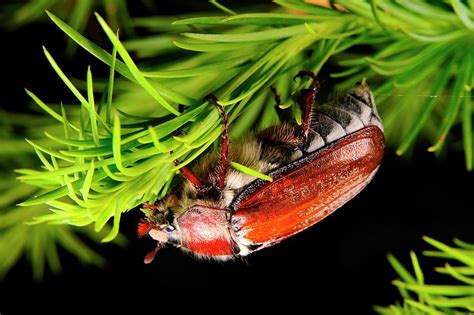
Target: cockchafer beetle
{"points": [[220, 213]]}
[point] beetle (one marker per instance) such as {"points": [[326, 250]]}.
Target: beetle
{"points": [[216, 212]]}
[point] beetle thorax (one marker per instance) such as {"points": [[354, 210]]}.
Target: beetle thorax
{"points": [[205, 232]]}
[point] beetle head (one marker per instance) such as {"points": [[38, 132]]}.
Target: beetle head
{"points": [[159, 225]]}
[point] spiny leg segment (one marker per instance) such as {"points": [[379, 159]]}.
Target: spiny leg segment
{"points": [[224, 157]]}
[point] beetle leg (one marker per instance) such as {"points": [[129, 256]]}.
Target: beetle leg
{"points": [[284, 139], [224, 157], [186, 171], [280, 142], [192, 178], [189, 174], [307, 100]]}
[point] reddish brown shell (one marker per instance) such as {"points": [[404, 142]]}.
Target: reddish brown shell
{"points": [[307, 190]]}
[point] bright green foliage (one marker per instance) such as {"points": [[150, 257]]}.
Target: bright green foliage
{"points": [[423, 61], [422, 298], [77, 13], [39, 242]]}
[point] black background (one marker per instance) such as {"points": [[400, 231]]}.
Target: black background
{"points": [[339, 265]]}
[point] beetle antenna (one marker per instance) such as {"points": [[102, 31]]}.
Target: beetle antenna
{"points": [[151, 255], [144, 227]]}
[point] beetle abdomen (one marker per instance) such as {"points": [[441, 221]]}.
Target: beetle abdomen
{"points": [[335, 120]]}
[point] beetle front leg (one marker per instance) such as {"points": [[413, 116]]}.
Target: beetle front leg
{"points": [[186, 171], [224, 157], [192, 178]]}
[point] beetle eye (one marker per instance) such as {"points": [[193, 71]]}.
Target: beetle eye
{"points": [[169, 228]]}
